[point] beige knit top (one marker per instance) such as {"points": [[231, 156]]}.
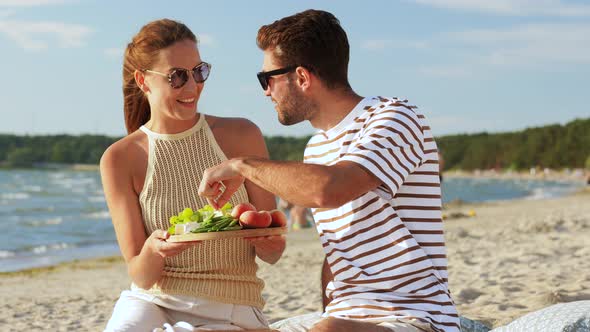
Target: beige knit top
{"points": [[220, 270]]}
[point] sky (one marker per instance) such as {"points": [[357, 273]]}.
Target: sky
{"points": [[469, 65]]}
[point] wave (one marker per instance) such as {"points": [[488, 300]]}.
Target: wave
{"points": [[15, 196], [54, 254], [95, 199], [36, 250], [552, 192], [6, 253], [50, 247], [43, 249], [39, 223], [488, 189], [49, 208], [74, 183], [33, 189], [98, 215]]}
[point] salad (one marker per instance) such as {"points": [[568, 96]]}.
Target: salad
{"points": [[205, 219]]}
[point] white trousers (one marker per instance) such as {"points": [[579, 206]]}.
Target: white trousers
{"points": [[137, 311]]}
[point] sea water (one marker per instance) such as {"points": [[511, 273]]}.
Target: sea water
{"points": [[51, 216]]}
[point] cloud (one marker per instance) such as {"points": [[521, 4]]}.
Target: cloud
{"points": [[514, 7], [250, 89], [446, 71], [32, 36], [541, 47], [31, 3], [114, 52], [532, 44], [375, 44], [6, 13], [381, 44], [205, 39]]}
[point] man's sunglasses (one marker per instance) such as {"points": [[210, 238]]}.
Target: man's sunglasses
{"points": [[179, 76], [263, 76]]}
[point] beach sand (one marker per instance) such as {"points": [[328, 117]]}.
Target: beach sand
{"points": [[509, 259], [519, 256]]}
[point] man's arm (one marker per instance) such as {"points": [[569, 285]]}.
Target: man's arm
{"points": [[302, 184]]}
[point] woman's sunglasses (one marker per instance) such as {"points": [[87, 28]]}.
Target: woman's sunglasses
{"points": [[179, 76], [264, 76]]}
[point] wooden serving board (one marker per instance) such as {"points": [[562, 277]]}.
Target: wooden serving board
{"points": [[251, 232]]}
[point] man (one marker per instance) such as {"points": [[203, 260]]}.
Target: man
{"points": [[370, 175]]}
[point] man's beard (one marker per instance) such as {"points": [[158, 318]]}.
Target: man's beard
{"points": [[295, 107]]}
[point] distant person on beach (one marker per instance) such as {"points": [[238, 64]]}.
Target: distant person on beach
{"points": [[370, 176], [298, 215], [154, 172]]}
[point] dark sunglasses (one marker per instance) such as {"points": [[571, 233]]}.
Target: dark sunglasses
{"points": [[263, 76], [179, 76]]}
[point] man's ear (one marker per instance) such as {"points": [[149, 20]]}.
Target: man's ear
{"points": [[304, 78], [140, 81]]}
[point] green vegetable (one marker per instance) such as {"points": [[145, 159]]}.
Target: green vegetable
{"points": [[187, 213], [174, 220], [210, 220], [226, 209], [172, 230]]}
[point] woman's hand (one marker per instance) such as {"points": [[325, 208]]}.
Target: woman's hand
{"points": [[269, 248], [157, 244]]}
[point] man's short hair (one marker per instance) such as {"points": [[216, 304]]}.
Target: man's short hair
{"points": [[313, 39]]}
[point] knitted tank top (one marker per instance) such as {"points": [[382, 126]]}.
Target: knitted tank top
{"points": [[220, 270]]}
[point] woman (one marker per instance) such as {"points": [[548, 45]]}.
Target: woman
{"points": [[154, 172]]}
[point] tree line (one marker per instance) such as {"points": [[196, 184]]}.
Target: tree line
{"points": [[553, 146]]}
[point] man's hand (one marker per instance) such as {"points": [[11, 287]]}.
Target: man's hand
{"points": [[215, 179], [269, 248]]}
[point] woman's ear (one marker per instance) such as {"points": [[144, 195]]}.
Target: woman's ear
{"points": [[140, 81]]}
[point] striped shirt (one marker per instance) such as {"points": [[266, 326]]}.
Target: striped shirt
{"points": [[386, 248]]}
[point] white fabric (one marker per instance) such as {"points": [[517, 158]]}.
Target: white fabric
{"points": [[566, 317], [304, 322], [136, 311]]}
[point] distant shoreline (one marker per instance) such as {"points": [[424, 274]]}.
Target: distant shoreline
{"points": [[83, 263], [566, 175], [54, 166]]}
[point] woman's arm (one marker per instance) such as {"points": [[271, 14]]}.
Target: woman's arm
{"points": [[144, 255], [250, 141], [254, 145]]}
